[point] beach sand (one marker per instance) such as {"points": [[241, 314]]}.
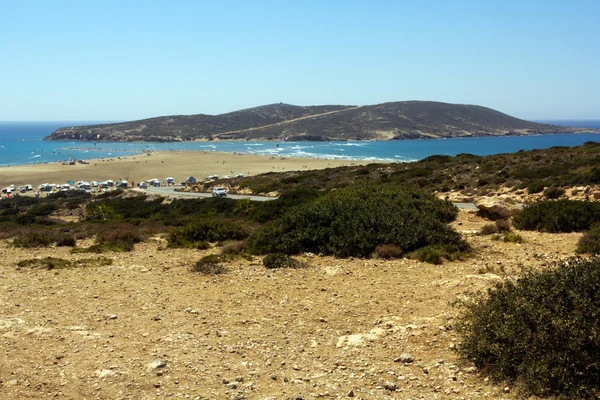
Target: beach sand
{"points": [[160, 165]]}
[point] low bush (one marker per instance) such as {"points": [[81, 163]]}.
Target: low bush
{"points": [[119, 247], [558, 216], [590, 241], [33, 239], [66, 240], [205, 230], [488, 229], [535, 187], [436, 254], [120, 233], [540, 330], [353, 221], [233, 248], [553, 192], [59, 263], [209, 265], [510, 237], [503, 225], [280, 260], [388, 251]]}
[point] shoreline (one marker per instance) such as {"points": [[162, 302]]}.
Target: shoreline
{"points": [[160, 164]]}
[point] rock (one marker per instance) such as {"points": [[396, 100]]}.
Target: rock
{"points": [[156, 364], [597, 195], [351, 394], [495, 208], [391, 386], [104, 373], [110, 316], [587, 190], [405, 358], [232, 385]]}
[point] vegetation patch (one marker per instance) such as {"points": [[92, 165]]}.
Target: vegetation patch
{"points": [[206, 230], [33, 240], [209, 265], [355, 220], [388, 251], [590, 241], [541, 330], [558, 216], [50, 263], [280, 260]]}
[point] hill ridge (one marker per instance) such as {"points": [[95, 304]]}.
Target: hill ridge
{"points": [[385, 121]]}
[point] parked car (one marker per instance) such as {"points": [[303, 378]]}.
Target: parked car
{"points": [[143, 185], [212, 177], [190, 179], [239, 176], [219, 192]]}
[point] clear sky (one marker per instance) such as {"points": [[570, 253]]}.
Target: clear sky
{"points": [[123, 60]]}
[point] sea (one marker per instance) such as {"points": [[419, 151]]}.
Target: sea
{"points": [[22, 143]]}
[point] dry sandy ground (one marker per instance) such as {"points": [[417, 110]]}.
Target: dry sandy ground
{"points": [[333, 330], [160, 165]]}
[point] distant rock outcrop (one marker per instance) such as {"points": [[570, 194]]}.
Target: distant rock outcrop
{"points": [[387, 121]]}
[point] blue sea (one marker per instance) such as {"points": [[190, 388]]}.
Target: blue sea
{"points": [[22, 143]]}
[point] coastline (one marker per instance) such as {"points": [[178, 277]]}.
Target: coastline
{"points": [[161, 164]]}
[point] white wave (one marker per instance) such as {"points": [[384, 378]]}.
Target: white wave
{"points": [[36, 156]]}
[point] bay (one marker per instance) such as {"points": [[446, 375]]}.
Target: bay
{"points": [[22, 143]]}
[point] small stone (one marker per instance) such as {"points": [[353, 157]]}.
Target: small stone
{"points": [[156, 318], [156, 364], [351, 394], [506, 389], [391, 386], [111, 316], [157, 385], [232, 385], [274, 377], [405, 358]]}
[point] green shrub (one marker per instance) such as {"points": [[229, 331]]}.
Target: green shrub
{"points": [[209, 265], [280, 260], [535, 187], [553, 192], [353, 221], [33, 239], [541, 330], [590, 241], [558, 216], [205, 230], [436, 254], [510, 237]]}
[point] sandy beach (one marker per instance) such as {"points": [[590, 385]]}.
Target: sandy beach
{"points": [[160, 165]]}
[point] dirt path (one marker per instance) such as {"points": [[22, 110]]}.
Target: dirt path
{"points": [[289, 121]]}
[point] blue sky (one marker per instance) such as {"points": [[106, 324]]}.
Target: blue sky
{"points": [[123, 60]]}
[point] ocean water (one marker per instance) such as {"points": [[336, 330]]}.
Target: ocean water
{"points": [[22, 143]]}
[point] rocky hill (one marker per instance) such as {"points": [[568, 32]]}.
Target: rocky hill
{"points": [[386, 121]]}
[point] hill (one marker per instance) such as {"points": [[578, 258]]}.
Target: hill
{"points": [[386, 121]]}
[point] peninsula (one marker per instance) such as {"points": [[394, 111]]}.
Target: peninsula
{"points": [[386, 121]]}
